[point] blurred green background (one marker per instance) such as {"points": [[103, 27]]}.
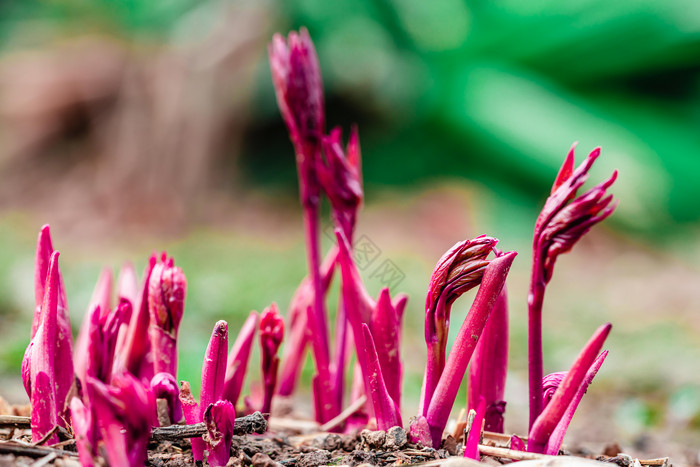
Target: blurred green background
{"points": [[134, 126]]}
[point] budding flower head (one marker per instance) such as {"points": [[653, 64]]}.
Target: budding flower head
{"points": [[166, 295], [550, 383], [565, 218], [271, 335], [459, 270], [296, 76], [166, 303], [164, 386], [341, 178]]}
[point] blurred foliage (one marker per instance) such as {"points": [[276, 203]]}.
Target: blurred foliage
{"points": [[498, 91]]}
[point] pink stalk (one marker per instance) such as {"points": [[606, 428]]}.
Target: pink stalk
{"points": [[219, 419], [214, 367], [101, 300], [85, 433], [386, 324], [125, 414], [385, 409], [562, 222], [64, 375], [487, 372], [550, 417], [166, 305], [190, 410], [459, 270], [298, 327], [238, 359], [471, 445], [494, 277], [137, 344], [557, 437], [41, 361], [271, 335], [164, 386], [297, 81]]}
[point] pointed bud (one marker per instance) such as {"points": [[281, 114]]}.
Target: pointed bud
{"points": [[385, 409], [296, 76], [238, 358], [271, 335], [166, 304], [214, 366]]}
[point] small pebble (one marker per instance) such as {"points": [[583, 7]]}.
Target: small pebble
{"points": [[396, 438]]}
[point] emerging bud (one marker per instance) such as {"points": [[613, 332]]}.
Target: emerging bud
{"points": [[341, 179], [459, 270], [85, 432], [219, 419], [214, 366], [166, 304], [551, 416], [271, 335], [296, 75], [164, 386], [238, 359]]}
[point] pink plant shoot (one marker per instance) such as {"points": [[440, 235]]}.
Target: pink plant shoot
{"points": [[385, 409], [164, 386], [85, 432], [192, 414], [136, 343], [341, 179], [101, 303], [214, 367], [166, 304], [494, 277], [65, 375], [564, 219], [271, 335], [459, 270], [488, 369], [128, 284], [41, 362], [238, 359], [557, 437], [471, 445], [296, 77], [125, 412], [219, 419], [553, 413], [386, 324]]}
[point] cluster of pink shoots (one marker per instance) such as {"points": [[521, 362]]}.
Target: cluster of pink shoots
{"points": [[108, 386], [374, 326]]}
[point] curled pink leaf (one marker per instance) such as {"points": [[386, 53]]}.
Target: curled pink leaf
{"points": [[459, 270], [164, 386]]}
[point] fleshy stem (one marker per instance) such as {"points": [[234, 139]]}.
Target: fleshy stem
{"points": [[550, 417]]}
